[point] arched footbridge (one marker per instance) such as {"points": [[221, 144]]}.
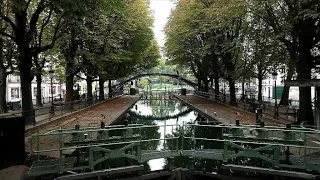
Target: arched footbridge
{"points": [[193, 84]]}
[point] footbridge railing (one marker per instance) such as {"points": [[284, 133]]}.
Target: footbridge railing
{"points": [[228, 145]]}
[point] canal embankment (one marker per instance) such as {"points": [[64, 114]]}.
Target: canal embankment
{"points": [[221, 113]]}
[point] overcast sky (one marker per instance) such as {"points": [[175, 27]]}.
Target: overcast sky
{"points": [[161, 11]]}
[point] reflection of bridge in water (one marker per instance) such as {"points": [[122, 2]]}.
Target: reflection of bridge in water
{"points": [[259, 150], [151, 117]]}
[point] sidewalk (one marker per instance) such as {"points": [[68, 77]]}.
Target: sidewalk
{"points": [[107, 112], [63, 113], [223, 113]]}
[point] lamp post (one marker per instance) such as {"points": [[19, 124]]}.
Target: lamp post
{"points": [[276, 114], [224, 92], [51, 73]]}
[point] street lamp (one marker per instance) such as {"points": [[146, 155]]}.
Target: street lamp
{"points": [[51, 73], [276, 114], [224, 92]]}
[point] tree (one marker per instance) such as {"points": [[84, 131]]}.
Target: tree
{"points": [[295, 24], [23, 22], [205, 37], [7, 54], [265, 52]]}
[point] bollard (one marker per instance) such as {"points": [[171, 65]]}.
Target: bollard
{"points": [[237, 131], [258, 115], [102, 125], [78, 136], [103, 134], [262, 133], [136, 107]]}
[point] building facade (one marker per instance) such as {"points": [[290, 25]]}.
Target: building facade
{"points": [[13, 91]]}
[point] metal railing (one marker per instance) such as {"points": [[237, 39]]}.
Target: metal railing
{"points": [[281, 147], [250, 104], [58, 109]]}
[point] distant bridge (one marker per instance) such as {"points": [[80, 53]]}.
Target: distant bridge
{"points": [[193, 84]]}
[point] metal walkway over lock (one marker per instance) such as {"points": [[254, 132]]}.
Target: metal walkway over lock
{"points": [[285, 151]]}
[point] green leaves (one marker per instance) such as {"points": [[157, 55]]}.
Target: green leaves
{"points": [[205, 32]]}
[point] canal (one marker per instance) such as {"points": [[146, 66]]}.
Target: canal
{"points": [[165, 116]]}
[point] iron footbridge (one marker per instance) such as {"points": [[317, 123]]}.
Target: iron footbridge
{"points": [[108, 150]]}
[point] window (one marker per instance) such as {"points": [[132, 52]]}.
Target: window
{"points": [[53, 90], [14, 93], [42, 91], [13, 78], [35, 91]]}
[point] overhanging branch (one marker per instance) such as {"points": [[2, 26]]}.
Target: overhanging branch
{"points": [[8, 20], [34, 19], [8, 35]]}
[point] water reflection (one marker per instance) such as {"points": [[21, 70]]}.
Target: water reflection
{"points": [[159, 112]]}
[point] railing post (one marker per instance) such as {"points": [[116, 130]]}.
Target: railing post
{"points": [[60, 149], [91, 165], [38, 144], [289, 136], [192, 162]]}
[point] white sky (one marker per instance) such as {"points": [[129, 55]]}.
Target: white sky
{"points": [[161, 11]]}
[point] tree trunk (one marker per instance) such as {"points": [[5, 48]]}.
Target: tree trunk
{"points": [[243, 91], [110, 88], [199, 84], [69, 91], [233, 100], [206, 86], [25, 64], [305, 108], [260, 88], [3, 81], [216, 89], [89, 89], [101, 88], [286, 89], [38, 96], [3, 86], [27, 105]]}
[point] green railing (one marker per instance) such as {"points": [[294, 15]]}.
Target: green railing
{"points": [[87, 149]]}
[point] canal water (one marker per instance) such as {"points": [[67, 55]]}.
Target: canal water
{"points": [[164, 115]]}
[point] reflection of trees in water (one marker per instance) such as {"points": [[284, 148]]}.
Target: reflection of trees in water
{"points": [[206, 164], [174, 144], [162, 108], [147, 133], [188, 144]]}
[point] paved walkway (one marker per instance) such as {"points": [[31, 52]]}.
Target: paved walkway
{"points": [[108, 112], [223, 113]]}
